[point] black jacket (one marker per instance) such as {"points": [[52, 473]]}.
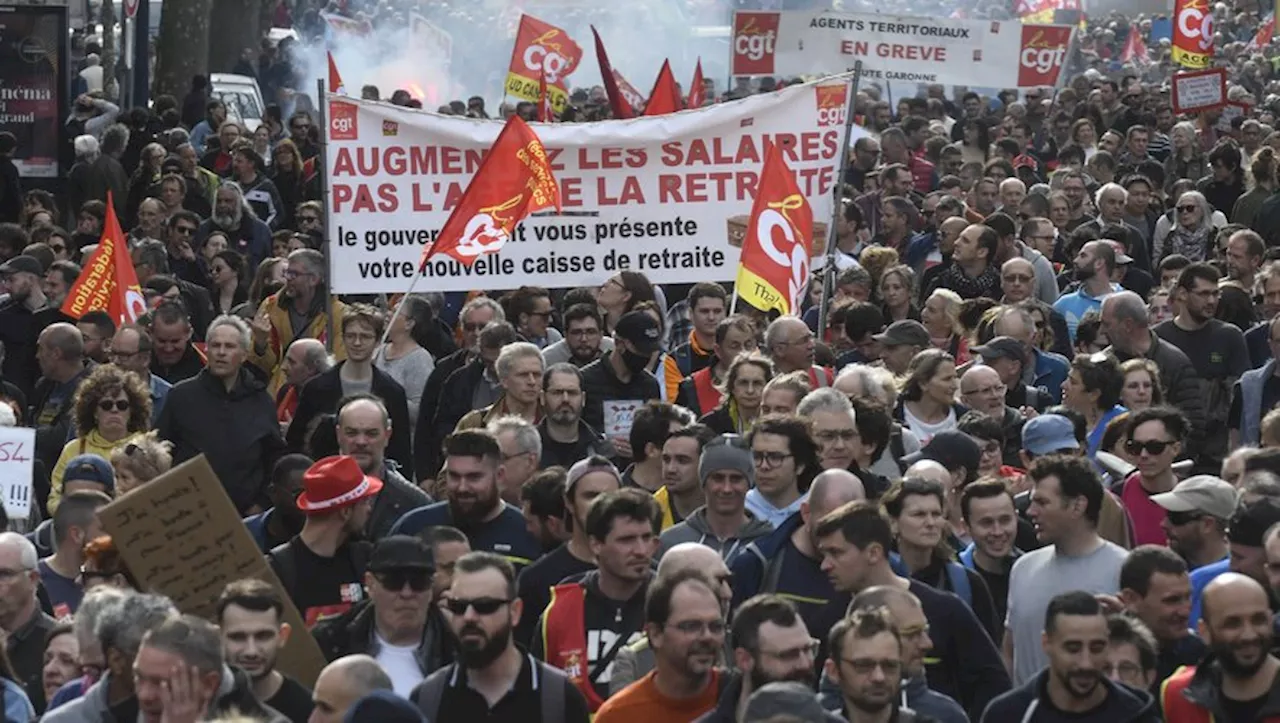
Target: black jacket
{"points": [[237, 699], [397, 497], [237, 432], [321, 395], [91, 181], [353, 633], [191, 364], [1205, 690], [52, 437], [455, 399], [600, 383], [426, 446], [1123, 705], [589, 442], [1182, 388]]}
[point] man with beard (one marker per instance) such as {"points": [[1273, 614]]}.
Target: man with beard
{"points": [[282, 521], [1245, 252], [296, 312], [24, 313], [589, 620], [1155, 588], [323, 566], [1237, 681], [399, 624], [1093, 268], [566, 439], [866, 664], [364, 432], [494, 680], [233, 216], [770, 645], [584, 340], [685, 625], [588, 479], [1216, 349], [973, 271], [250, 615], [1073, 687], [473, 476]]}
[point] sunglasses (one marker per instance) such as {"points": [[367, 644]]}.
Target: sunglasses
{"points": [[417, 580], [114, 405], [1186, 209], [1153, 447], [1178, 519], [482, 605]]}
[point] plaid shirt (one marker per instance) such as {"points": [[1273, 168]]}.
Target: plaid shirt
{"points": [[679, 325]]}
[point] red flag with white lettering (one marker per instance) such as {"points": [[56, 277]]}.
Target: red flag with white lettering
{"points": [[774, 267], [108, 281]]}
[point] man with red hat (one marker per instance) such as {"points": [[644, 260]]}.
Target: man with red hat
{"points": [[328, 555]]}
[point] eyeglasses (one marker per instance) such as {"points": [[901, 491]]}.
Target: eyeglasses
{"points": [[770, 459], [114, 405], [417, 580], [809, 649], [828, 436], [693, 627], [1152, 447], [867, 666], [123, 355], [1177, 519], [472, 326], [1186, 209], [1125, 669], [184, 230], [482, 605]]}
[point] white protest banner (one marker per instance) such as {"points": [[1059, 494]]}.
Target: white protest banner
{"points": [[951, 51], [650, 194], [1199, 90], [619, 414], [17, 452]]}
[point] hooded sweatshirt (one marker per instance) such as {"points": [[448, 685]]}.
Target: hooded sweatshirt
{"points": [[1029, 703], [696, 529]]}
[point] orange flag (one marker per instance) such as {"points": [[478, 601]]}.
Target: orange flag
{"points": [[774, 266], [335, 80], [697, 94], [108, 281], [665, 96], [513, 181]]}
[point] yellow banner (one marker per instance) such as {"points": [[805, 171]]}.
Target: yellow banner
{"points": [[1191, 61], [528, 89], [756, 291]]}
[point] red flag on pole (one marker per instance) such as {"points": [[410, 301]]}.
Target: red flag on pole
{"points": [[108, 282], [621, 110], [697, 94], [544, 99], [335, 80], [513, 180], [1261, 39], [665, 96], [774, 266], [1135, 48]]}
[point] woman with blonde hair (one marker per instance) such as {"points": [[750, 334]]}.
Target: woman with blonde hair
{"points": [[1142, 387], [895, 293], [741, 395], [140, 461], [111, 408], [941, 316]]}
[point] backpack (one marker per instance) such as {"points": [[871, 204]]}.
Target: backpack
{"points": [[286, 566], [958, 576], [551, 685]]}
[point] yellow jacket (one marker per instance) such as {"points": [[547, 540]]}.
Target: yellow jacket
{"points": [[95, 443], [282, 335]]}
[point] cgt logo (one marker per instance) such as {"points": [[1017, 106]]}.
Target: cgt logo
{"points": [[545, 54], [1195, 23], [832, 100], [1043, 55], [755, 37], [342, 121], [390, 128]]}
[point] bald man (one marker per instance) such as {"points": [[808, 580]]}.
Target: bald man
{"points": [[636, 660], [60, 354], [1240, 675], [787, 561], [342, 683]]}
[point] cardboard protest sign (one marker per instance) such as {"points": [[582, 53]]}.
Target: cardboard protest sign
{"points": [[17, 450], [1200, 90], [182, 537]]}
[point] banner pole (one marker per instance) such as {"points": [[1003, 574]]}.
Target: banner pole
{"points": [[323, 170], [828, 269]]}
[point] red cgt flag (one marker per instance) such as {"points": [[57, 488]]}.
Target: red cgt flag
{"points": [[108, 282], [697, 94], [335, 80], [665, 96], [513, 181], [774, 266], [621, 109], [544, 100]]}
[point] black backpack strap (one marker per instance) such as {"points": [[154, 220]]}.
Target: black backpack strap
{"points": [[430, 693], [551, 697], [285, 566]]}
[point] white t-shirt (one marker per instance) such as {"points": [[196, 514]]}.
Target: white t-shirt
{"points": [[401, 664], [923, 430]]}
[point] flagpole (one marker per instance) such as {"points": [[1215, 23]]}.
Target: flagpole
{"points": [[322, 108], [828, 269]]}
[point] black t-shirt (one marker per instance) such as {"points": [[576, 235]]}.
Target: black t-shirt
{"points": [[535, 585], [998, 584], [1217, 351], [293, 701], [561, 453], [1242, 711], [324, 586]]}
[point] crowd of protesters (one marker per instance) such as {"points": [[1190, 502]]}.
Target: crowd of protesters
{"points": [[1029, 469]]}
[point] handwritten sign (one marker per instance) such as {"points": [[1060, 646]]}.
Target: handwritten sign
{"points": [[182, 537], [17, 450], [1199, 91], [618, 415]]}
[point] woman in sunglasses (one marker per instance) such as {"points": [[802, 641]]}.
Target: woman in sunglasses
{"points": [[112, 407]]}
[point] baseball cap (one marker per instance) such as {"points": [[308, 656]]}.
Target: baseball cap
{"points": [[1121, 257], [1249, 525], [584, 467], [22, 264], [951, 449], [728, 451], [401, 552], [790, 698], [1201, 493], [641, 329], [335, 482], [90, 468], [1002, 347], [1049, 433], [901, 333]]}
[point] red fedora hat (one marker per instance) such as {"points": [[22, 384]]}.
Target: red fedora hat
{"points": [[335, 482]]}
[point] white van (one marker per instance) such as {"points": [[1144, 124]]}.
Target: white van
{"points": [[241, 95]]}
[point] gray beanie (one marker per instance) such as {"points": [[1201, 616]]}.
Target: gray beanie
{"points": [[728, 451]]}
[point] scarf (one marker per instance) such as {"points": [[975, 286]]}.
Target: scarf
{"points": [[1190, 243], [985, 284]]}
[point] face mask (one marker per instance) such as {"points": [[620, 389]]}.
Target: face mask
{"points": [[635, 363]]}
